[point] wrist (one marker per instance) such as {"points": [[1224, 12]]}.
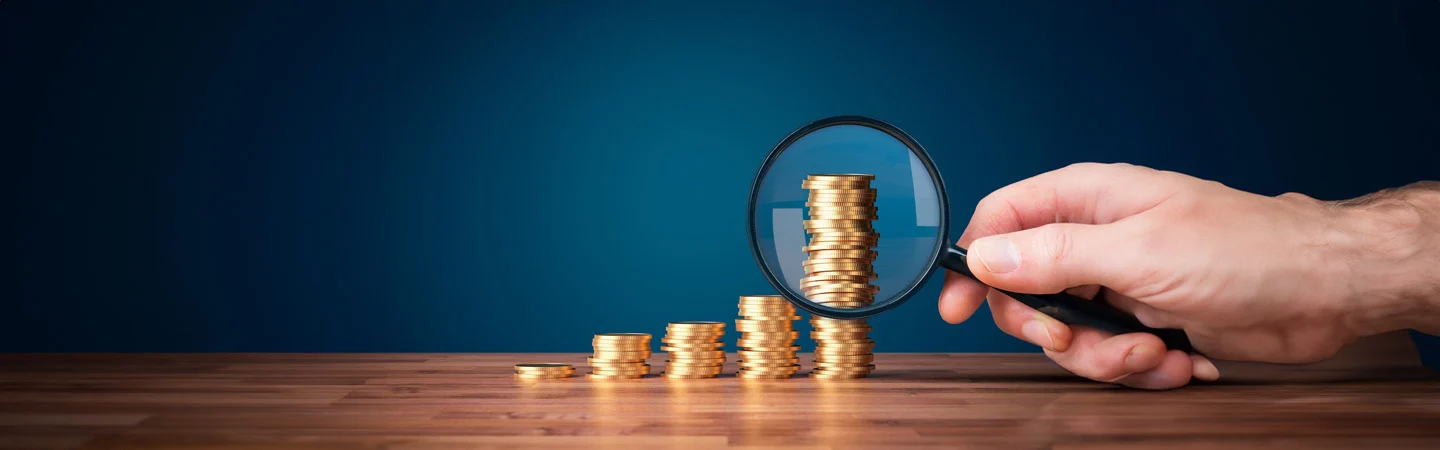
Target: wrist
{"points": [[1389, 258]]}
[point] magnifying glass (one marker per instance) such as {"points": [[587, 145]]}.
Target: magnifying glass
{"points": [[911, 218]]}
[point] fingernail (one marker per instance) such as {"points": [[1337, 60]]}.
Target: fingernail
{"points": [[1204, 369], [1036, 333], [1139, 358], [997, 254]]}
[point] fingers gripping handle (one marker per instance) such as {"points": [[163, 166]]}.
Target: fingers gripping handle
{"points": [[1074, 310]]}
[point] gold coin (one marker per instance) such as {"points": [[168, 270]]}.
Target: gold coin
{"points": [[831, 376], [850, 237], [841, 297], [628, 355], [766, 354], [613, 377], [821, 185], [688, 341], [843, 194], [607, 371], [696, 324], [865, 219], [621, 348], [695, 369], [830, 321], [544, 372], [698, 354], [771, 369], [778, 367], [812, 268], [770, 314], [542, 366], [777, 348], [815, 261], [623, 336], [860, 330], [836, 277], [694, 348], [839, 335], [617, 364], [846, 366], [773, 372], [862, 368], [541, 377], [770, 298], [854, 243], [861, 243], [765, 327], [813, 287], [819, 229], [770, 336], [844, 359], [770, 346], [858, 280], [834, 286], [862, 326], [848, 209], [766, 362], [843, 254], [845, 305], [687, 336], [842, 247], [839, 176], [843, 352], [694, 366]]}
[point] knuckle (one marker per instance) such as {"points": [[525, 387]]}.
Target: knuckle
{"points": [[1053, 244]]}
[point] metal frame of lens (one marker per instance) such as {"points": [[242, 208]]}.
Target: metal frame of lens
{"points": [[879, 306]]}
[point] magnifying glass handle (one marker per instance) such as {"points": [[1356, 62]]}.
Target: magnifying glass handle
{"points": [[1074, 310]]}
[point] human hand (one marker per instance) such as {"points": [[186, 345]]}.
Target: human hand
{"points": [[1286, 279]]}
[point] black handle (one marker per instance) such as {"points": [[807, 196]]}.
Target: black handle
{"points": [[1075, 310]]}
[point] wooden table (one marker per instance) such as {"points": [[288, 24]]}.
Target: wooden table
{"points": [[427, 401]]}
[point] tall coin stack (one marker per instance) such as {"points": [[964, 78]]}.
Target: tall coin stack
{"points": [[695, 349], [838, 269], [620, 355], [767, 337]]}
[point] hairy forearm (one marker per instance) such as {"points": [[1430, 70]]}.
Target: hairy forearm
{"points": [[1392, 262]]}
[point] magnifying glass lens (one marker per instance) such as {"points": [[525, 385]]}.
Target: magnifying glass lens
{"points": [[908, 201]]}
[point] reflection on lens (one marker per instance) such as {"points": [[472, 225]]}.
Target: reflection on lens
{"points": [[906, 204]]}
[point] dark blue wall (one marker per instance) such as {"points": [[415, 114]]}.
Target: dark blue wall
{"points": [[515, 176]]}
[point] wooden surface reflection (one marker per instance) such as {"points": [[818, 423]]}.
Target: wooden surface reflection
{"points": [[422, 401]]}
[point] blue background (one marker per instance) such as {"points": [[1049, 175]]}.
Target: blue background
{"points": [[516, 176]]}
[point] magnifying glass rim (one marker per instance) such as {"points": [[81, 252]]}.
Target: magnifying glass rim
{"points": [[940, 244]]}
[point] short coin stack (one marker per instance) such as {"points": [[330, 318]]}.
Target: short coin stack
{"points": [[541, 371], [839, 267], [695, 349], [620, 355], [843, 348], [767, 337]]}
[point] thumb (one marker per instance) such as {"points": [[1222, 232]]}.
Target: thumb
{"points": [[1053, 257]]}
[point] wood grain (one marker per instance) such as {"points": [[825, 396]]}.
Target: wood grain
{"points": [[444, 401]]}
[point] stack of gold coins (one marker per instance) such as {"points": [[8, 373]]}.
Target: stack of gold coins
{"points": [[543, 371], [695, 349], [620, 355], [839, 266], [767, 337], [840, 256], [843, 348]]}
